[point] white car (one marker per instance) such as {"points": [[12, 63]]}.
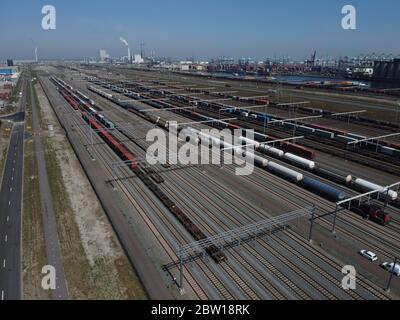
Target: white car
{"points": [[369, 255], [391, 267]]}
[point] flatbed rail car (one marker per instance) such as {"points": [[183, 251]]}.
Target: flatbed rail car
{"points": [[216, 254]]}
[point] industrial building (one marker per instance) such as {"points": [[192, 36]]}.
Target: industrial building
{"points": [[8, 78], [138, 59], [104, 56], [387, 70]]}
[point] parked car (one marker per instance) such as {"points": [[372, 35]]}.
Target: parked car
{"points": [[391, 267], [368, 255]]}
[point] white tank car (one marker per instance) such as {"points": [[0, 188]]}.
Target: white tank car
{"points": [[299, 160], [366, 185], [272, 151], [286, 172], [249, 142], [259, 161]]}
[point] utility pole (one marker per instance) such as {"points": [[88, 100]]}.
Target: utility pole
{"points": [[311, 224]]}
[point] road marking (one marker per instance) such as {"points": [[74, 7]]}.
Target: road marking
{"points": [[2, 294], [11, 189], [8, 218], [13, 169], [6, 238], [4, 263], [12, 178], [9, 202]]}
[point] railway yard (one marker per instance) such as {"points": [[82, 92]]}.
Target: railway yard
{"points": [[201, 231]]}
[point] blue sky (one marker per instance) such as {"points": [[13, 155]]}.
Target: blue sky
{"points": [[200, 29]]}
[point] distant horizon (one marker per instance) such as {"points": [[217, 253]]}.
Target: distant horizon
{"points": [[187, 58], [201, 30]]}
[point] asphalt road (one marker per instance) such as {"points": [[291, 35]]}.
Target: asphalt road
{"points": [[10, 213]]}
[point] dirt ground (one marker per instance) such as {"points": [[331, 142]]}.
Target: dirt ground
{"points": [[33, 242], [95, 264]]}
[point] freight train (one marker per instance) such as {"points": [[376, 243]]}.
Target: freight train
{"points": [[318, 187], [386, 148], [112, 141], [97, 121], [76, 98], [315, 186]]}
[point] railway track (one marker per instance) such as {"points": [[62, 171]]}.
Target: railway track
{"points": [[381, 125], [249, 293], [182, 190], [214, 280], [337, 148], [106, 157], [365, 157], [294, 236], [367, 230], [294, 269], [313, 143], [347, 189], [237, 279]]}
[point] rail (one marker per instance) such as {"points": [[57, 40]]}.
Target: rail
{"points": [[237, 236]]}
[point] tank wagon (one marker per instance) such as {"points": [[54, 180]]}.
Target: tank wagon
{"points": [[311, 184]]}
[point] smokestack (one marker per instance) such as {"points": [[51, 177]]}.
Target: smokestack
{"points": [[129, 50]]}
